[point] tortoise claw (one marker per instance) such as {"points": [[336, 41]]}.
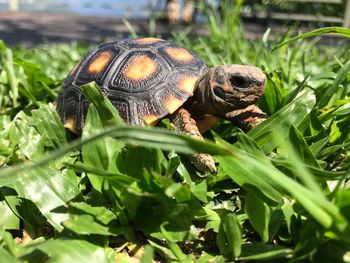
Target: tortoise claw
{"points": [[203, 162], [184, 123]]}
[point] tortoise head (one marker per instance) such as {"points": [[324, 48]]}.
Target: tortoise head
{"points": [[224, 88]]}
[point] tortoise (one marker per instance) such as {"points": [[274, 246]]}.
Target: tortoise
{"points": [[148, 79]]}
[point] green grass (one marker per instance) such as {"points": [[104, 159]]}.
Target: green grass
{"points": [[281, 192]]}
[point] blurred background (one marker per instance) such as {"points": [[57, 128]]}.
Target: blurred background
{"points": [[134, 8], [29, 22]]}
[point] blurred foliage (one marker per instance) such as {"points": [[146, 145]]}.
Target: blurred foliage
{"points": [[300, 7]]}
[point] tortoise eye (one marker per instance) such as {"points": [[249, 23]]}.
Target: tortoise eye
{"points": [[218, 91], [239, 82]]}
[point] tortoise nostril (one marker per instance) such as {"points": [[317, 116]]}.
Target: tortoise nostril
{"points": [[239, 82]]}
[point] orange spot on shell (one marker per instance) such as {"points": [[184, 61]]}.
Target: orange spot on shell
{"points": [[179, 54], [99, 63], [187, 84], [148, 40], [172, 103], [150, 119], [70, 124], [140, 68]]}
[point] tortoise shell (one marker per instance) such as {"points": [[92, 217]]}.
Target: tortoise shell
{"points": [[144, 78]]}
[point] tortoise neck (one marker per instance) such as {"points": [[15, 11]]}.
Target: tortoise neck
{"points": [[200, 102]]}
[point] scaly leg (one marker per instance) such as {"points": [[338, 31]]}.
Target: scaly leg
{"points": [[247, 118], [184, 123]]}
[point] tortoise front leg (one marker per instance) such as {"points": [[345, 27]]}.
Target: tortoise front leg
{"points": [[247, 118], [184, 123]]}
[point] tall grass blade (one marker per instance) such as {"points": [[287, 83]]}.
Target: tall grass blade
{"points": [[291, 114], [341, 31], [341, 76]]}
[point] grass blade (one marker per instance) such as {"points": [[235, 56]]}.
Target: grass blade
{"points": [[264, 252], [345, 32], [259, 215], [291, 114], [146, 136], [68, 250], [342, 74]]}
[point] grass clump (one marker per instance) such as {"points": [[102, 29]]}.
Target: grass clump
{"points": [[281, 192]]}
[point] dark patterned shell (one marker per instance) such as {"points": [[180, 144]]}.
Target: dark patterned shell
{"points": [[145, 79]]}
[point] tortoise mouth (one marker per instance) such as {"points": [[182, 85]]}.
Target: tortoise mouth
{"points": [[221, 104]]}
